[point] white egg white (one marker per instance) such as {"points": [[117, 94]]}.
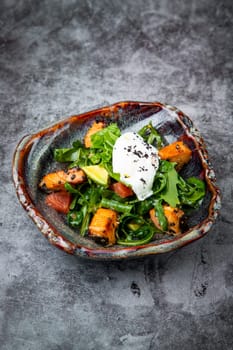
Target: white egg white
{"points": [[137, 163]]}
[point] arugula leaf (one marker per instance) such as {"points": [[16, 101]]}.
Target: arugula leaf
{"points": [[86, 201], [75, 218], [134, 230], [115, 205], [168, 190], [159, 212], [174, 190], [71, 189], [151, 135], [191, 191]]}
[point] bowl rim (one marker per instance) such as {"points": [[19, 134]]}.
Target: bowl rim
{"points": [[57, 239]]}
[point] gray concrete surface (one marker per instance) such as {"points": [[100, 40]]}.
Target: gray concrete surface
{"points": [[59, 58]]}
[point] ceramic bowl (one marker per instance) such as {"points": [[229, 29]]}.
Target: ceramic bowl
{"points": [[34, 157]]}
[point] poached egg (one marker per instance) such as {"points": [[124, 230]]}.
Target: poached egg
{"points": [[137, 163]]}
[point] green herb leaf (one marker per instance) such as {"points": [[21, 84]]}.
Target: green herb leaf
{"points": [[159, 212], [134, 230], [75, 218], [115, 205], [106, 137], [169, 192], [103, 142], [191, 191], [86, 201], [66, 154], [151, 135]]}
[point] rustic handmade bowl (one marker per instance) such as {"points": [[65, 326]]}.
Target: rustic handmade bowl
{"points": [[34, 157]]}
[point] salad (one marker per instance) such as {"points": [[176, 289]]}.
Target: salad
{"points": [[123, 188]]}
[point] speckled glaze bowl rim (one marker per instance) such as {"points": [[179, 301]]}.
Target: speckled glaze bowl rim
{"points": [[110, 253]]}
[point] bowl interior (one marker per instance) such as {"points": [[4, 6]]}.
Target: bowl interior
{"points": [[39, 160]]}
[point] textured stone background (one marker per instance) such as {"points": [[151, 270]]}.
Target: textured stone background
{"points": [[59, 58]]}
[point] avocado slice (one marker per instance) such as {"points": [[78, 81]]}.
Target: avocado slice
{"points": [[97, 173]]}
